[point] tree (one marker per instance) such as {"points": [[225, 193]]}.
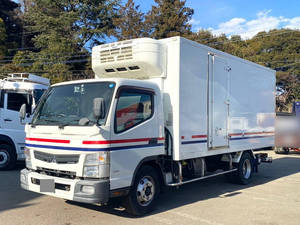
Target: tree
{"points": [[2, 39], [9, 13], [203, 37], [130, 22], [169, 18], [64, 30]]}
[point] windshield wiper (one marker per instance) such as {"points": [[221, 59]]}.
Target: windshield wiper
{"points": [[62, 125], [46, 120]]}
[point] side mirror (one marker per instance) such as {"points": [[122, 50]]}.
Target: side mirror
{"points": [[29, 104], [22, 112], [99, 108]]}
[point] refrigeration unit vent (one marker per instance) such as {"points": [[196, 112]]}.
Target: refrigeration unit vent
{"points": [[116, 54]]}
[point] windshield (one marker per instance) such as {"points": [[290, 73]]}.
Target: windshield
{"points": [[37, 94], [72, 104]]}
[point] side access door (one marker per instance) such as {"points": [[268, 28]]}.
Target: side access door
{"points": [[218, 102]]}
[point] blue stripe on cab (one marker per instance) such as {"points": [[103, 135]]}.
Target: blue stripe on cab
{"points": [[93, 149]]}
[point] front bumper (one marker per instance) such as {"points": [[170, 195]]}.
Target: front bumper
{"points": [[67, 188]]}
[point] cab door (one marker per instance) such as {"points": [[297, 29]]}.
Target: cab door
{"points": [[9, 120], [136, 133]]}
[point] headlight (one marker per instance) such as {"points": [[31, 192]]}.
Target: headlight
{"points": [[91, 171], [27, 158], [96, 165]]}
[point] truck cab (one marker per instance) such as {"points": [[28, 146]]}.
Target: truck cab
{"points": [[90, 149], [16, 90]]}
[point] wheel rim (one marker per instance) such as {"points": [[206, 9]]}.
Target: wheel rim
{"points": [[4, 157], [247, 169], [145, 191]]}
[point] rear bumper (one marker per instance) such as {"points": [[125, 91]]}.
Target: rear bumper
{"points": [[67, 188]]}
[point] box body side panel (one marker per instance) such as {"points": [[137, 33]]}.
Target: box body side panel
{"points": [[250, 102]]}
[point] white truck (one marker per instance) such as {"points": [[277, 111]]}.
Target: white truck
{"points": [[15, 90], [160, 112]]}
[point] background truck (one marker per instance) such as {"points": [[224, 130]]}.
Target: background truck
{"points": [[159, 113], [287, 135], [15, 90]]}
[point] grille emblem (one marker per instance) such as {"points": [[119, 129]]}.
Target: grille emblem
{"points": [[53, 160]]}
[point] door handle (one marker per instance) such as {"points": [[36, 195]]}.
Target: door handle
{"points": [[7, 120], [218, 130], [153, 141]]}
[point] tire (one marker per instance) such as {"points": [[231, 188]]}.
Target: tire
{"points": [[8, 157], [245, 169], [143, 195]]}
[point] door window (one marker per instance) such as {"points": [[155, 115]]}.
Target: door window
{"points": [[2, 99], [133, 108], [16, 100]]}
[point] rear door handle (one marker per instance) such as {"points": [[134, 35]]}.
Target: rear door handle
{"points": [[8, 120]]}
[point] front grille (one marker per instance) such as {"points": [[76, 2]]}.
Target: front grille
{"points": [[55, 158], [56, 173]]}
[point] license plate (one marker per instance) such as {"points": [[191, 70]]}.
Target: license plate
{"points": [[47, 185]]}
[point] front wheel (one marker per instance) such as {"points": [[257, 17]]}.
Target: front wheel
{"points": [[8, 157], [143, 194]]}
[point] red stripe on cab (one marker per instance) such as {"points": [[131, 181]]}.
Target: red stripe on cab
{"points": [[48, 140], [103, 142]]}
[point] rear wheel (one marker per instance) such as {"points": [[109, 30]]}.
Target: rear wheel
{"points": [[282, 150], [245, 168], [143, 195], [8, 157]]}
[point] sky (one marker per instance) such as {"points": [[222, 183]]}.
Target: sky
{"points": [[240, 17]]}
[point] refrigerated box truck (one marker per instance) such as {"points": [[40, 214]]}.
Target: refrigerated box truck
{"points": [[158, 113]]}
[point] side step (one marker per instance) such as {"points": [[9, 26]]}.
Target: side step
{"points": [[200, 178]]}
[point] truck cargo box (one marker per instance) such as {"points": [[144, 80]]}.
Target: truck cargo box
{"points": [[214, 102]]}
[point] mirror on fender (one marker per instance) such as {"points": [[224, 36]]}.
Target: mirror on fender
{"points": [[22, 113], [99, 108]]}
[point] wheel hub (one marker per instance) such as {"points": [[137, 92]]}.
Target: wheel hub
{"points": [[246, 169], [145, 191], [3, 158]]}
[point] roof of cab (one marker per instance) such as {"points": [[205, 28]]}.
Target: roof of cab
{"points": [[20, 85], [118, 81]]}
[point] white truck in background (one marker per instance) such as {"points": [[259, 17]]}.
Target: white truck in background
{"points": [[159, 112], [15, 90]]}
